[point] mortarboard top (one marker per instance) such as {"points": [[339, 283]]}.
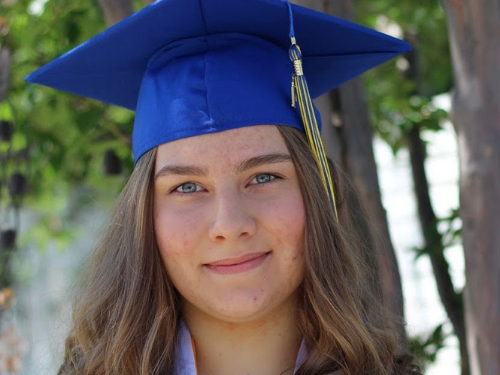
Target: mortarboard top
{"points": [[190, 67]]}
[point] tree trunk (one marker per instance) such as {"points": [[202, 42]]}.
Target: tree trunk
{"points": [[474, 27], [451, 300], [359, 162], [353, 135], [5, 61], [115, 10], [357, 135]]}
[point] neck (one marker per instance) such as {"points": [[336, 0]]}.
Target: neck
{"points": [[265, 346]]}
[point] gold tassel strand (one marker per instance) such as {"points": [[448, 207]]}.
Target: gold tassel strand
{"points": [[300, 94]]}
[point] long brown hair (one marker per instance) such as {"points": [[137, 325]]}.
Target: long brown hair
{"points": [[345, 327], [126, 314]]}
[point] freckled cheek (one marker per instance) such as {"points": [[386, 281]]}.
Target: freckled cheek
{"points": [[177, 247], [175, 234], [292, 221]]}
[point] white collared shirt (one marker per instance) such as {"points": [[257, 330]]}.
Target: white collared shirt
{"points": [[185, 362]]}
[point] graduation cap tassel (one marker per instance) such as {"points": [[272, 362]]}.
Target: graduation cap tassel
{"points": [[300, 94]]}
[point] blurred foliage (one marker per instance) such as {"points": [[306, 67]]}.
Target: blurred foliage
{"points": [[400, 94], [67, 137], [451, 228], [397, 103], [425, 348], [449, 232]]}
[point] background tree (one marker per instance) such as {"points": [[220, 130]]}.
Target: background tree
{"points": [[401, 119], [474, 28]]}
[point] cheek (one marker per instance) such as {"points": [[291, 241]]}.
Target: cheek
{"points": [[296, 234], [287, 218], [175, 244], [291, 220], [174, 233]]}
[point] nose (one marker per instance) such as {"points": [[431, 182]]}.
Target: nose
{"points": [[232, 218]]}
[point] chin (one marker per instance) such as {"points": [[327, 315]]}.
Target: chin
{"points": [[245, 307], [240, 309]]}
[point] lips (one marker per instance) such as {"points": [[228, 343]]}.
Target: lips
{"points": [[238, 264]]}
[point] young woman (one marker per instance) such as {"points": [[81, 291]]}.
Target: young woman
{"points": [[227, 253]]}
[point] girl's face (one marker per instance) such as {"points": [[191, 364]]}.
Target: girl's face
{"points": [[229, 222]]}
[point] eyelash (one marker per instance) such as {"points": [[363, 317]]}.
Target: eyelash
{"points": [[176, 189], [273, 177]]}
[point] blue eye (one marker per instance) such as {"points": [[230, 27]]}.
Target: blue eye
{"points": [[188, 187], [263, 178]]}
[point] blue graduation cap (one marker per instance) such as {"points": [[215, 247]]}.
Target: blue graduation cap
{"points": [[191, 67]]}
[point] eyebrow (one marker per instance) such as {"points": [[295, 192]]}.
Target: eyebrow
{"points": [[256, 161]]}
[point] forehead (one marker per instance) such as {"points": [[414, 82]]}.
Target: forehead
{"points": [[226, 146]]}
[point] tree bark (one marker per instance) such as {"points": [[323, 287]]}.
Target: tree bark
{"points": [[474, 28], [5, 61], [353, 136], [115, 10], [357, 135], [359, 162], [451, 301]]}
